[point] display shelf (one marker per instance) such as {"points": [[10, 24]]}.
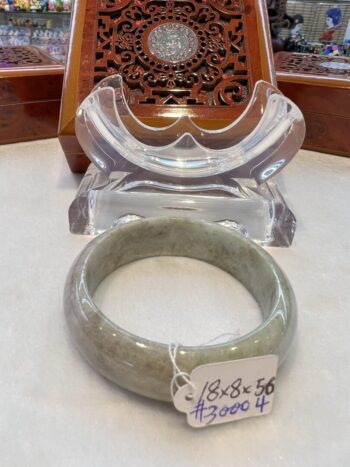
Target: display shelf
{"points": [[48, 31], [59, 19], [34, 12], [30, 90], [320, 86], [33, 48]]}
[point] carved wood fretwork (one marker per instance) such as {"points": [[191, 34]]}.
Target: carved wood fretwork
{"points": [[22, 57], [216, 74], [320, 65]]}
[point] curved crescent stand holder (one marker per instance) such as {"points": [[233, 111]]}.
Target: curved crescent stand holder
{"points": [[184, 170]]}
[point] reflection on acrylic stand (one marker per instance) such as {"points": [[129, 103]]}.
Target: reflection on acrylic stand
{"points": [[184, 170]]}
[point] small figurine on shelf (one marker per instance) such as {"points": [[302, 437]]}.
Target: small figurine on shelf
{"points": [[296, 39], [331, 50], [9, 5], [35, 5], [67, 5], [346, 48], [333, 22], [58, 5], [22, 5], [346, 40], [51, 5], [279, 19]]}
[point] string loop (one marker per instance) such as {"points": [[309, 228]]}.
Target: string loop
{"points": [[178, 374]]}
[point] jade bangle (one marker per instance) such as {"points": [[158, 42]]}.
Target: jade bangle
{"points": [[144, 366]]}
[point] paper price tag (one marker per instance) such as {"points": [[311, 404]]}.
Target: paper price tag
{"points": [[228, 391]]}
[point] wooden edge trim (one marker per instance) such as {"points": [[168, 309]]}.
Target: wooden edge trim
{"points": [[267, 61], [314, 80], [71, 77]]}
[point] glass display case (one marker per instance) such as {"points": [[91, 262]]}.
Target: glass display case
{"points": [[34, 38], [313, 70], [48, 31]]}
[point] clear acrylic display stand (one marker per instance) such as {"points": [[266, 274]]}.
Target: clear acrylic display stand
{"points": [[184, 170]]}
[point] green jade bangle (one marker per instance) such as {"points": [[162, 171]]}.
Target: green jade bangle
{"points": [[141, 365]]}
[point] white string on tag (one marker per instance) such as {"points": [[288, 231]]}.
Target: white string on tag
{"points": [[179, 374]]}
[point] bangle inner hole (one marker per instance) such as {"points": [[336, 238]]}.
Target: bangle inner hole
{"points": [[176, 299]]}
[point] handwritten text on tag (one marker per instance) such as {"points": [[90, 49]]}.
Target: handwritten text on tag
{"points": [[228, 391]]}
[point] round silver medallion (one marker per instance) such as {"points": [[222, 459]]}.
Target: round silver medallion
{"points": [[336, 65], [172, 42]]}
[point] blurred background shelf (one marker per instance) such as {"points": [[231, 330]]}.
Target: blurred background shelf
{"points": [[48, 31]]}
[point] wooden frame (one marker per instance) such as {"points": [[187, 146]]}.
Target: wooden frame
{"points": [[30, 89], [98, 49], [323, 96]]}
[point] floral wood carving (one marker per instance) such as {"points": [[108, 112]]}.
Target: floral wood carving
{"points": [[313, 64], [213, 71], [19, 56]]}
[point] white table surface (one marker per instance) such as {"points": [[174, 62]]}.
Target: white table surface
{"points": [[56, 411]]}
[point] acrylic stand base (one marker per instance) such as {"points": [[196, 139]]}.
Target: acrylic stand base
{"points": [[259, 212]]}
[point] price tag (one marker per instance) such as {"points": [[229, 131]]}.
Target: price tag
{"points": [[228, 391]]}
